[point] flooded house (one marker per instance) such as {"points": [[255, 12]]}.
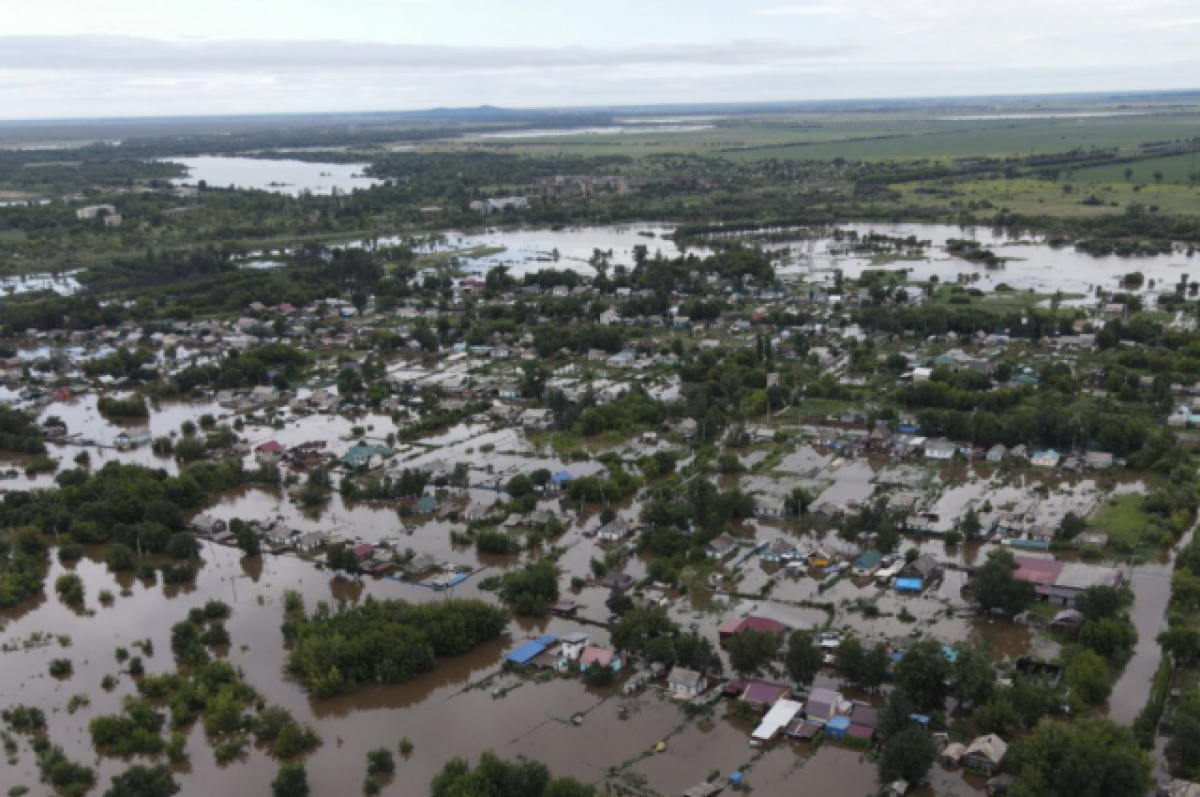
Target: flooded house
{"points": [[685, 684], [985, 754]]}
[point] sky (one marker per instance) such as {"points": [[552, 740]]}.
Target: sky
{"points": [[81, 58]]}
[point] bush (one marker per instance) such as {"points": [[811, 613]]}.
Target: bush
{"points": [[380, 762]]}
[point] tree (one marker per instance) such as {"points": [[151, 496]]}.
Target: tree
{"points": [[751, 651], [971, 674], [1184, 747], [1087, 676], [922, 674], [380, 762], [803, 659], [996, 585], [248, 541], [848, 658], [874, 668], [142, 781], [1087, 758], [997, 716], [1099, 602], [897, 714], [907, 756], [292, 781]]}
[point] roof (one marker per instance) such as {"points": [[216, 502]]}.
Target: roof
{"points": [[991, 747], [783, 712], [869, 559], [908, 584], [270, 447], [763, 693], [685, 677], [863, 714], [599, 656], [530, 650], [839, 723]]}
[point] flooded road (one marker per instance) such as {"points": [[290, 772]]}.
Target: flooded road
{"points": [[1151, 585]]}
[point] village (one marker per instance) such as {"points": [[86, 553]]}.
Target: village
{"points": [[835, 495]]}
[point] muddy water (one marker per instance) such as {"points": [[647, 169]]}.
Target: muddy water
{"points": [[1151, 585]]}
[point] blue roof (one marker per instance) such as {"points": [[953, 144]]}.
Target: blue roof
{"points": [[839, 723], [869, 559], [531, 650], [562, 476], [736, 777], [908, 584], [949, 654], [919, 718]]}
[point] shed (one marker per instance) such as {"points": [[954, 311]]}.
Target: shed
{"points": [[837, 727], [526, 653], [782, 713], [908, 585]]}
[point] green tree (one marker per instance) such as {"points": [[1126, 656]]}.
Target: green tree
{"points": [[996, 585], [971, 674], [1086, 758], [907, 756], [1087, 676], [750, 652], [923, 673], [803, 659], [142, 781], [292, 781]]}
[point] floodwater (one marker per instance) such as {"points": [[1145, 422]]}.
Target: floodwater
{"points": [[1034, 265], [278, 176], [1151, 585]]}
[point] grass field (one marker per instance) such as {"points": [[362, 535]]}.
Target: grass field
{"points": [[1176, 170], [825, 137]]}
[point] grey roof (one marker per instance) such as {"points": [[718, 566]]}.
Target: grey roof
{"points": [[1080, 576], [685, 677], [991, 747]]}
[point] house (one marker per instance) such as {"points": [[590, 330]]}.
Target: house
{"points": [[363, 552], [685, 684], [721, 547], [761, 695], [822, 705], [313, 541], [880, 438], [614, 531], [1179, 788], [599, 657], [617, 580], [866, 565], [207, 525], [1045, 459], [996, 453], [537, 420], [1097, 460], [763, 625], [941, 450], [268, 453], [985, 754], [920, 571], [132, 438], [364, 454], [573, 646], [1062, 582], [952, 753]]}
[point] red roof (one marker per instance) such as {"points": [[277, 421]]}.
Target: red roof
{"points": [[599, 656], [736, 625], [286, 308], [1038, 571], [270, 447], [363, 551], [762, 693]]}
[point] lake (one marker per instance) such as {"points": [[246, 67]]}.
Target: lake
{"points": [[278, 176]]}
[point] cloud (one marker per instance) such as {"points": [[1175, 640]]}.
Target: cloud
{"points": [[122, 54]]}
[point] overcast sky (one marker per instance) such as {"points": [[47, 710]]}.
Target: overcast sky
{"points": [[77, 58]]}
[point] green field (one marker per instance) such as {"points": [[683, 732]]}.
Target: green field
{"points": [[825, 137], [1176, 170]]}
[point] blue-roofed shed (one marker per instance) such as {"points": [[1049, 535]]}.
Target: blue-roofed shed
{"points": [[949, 654], [908, 585], [837, 727], [562, 477], [530, 650]]}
